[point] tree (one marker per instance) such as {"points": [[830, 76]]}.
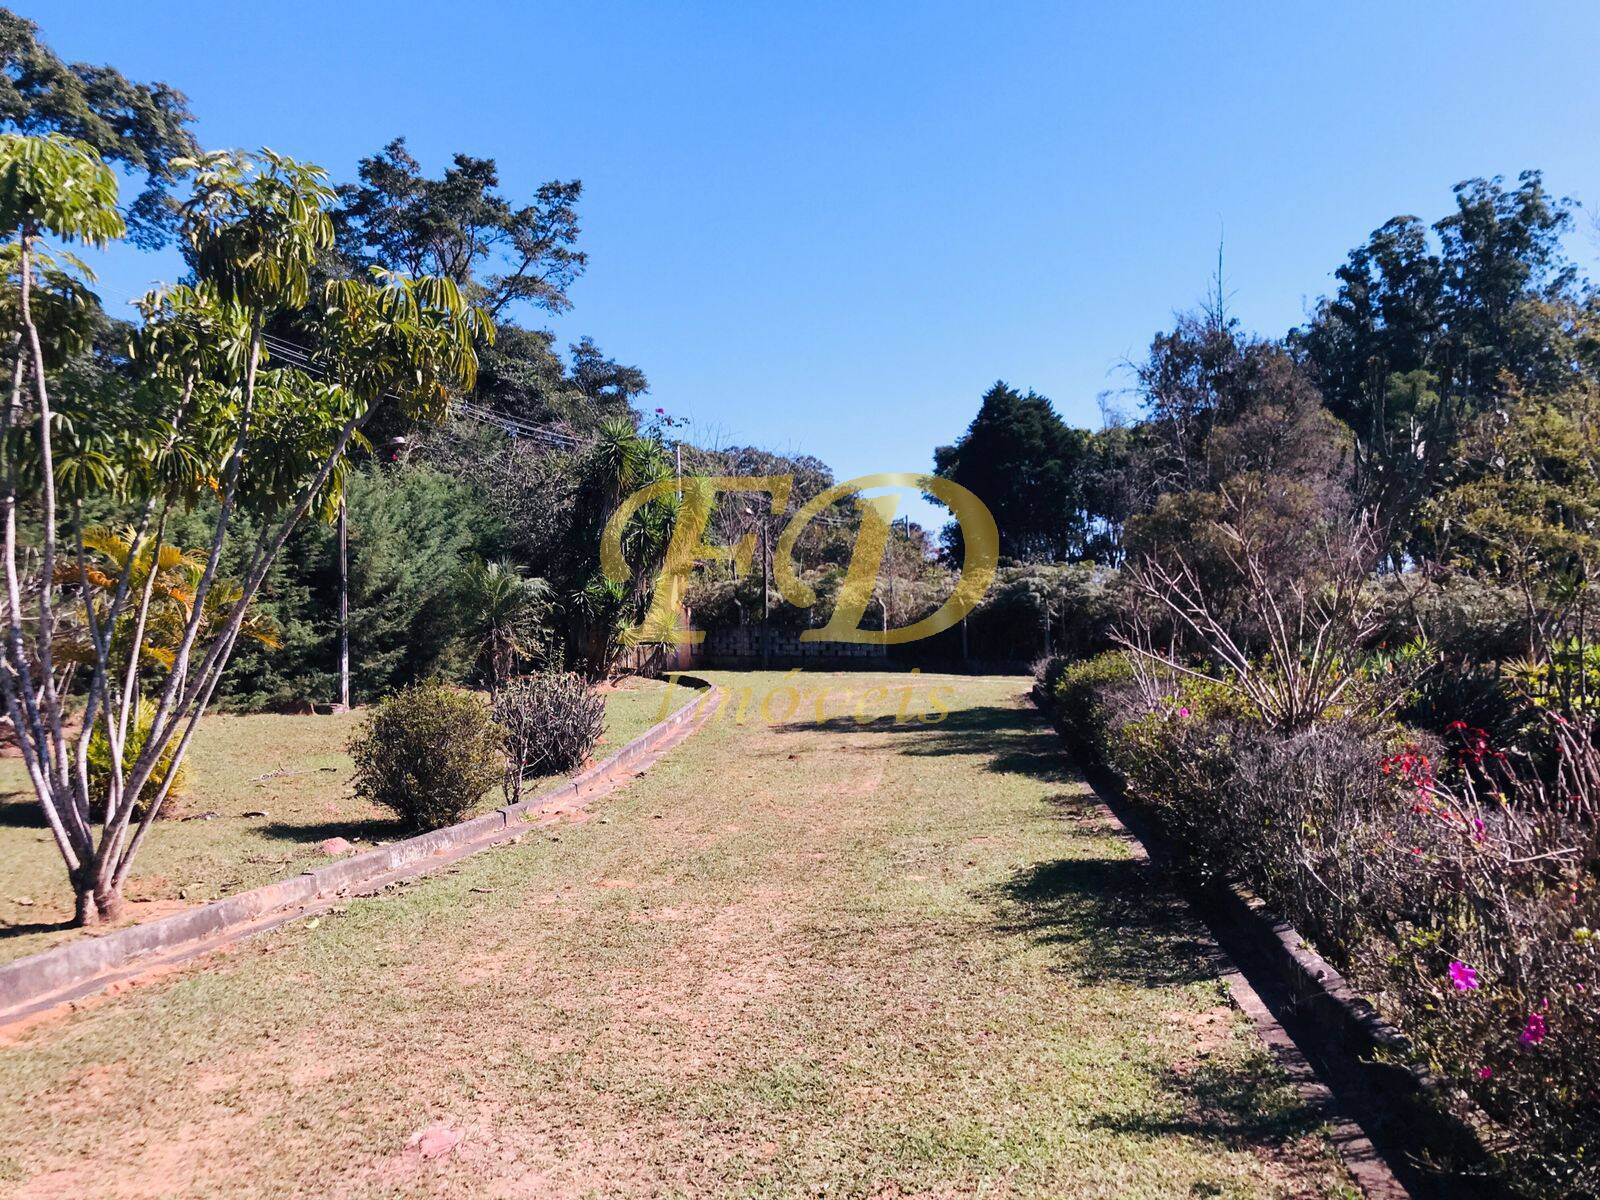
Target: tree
{"points": [[461, 228], [1030, 468], [1429, 328], [506, 616], [506, 257], [555, 506], [410, 527], [1524, 509], [1205, 370], [208, 423], [523, 376], [142, 127]]}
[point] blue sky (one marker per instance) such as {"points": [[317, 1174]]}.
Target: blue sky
{"points": [[828, 228]]}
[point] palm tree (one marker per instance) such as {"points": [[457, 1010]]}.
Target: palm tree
{"points": [[621, 461], [506, 617]]}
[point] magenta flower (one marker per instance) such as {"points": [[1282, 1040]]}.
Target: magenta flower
{"points": [[1184, 711], [1533, 1032], [1464, 977], [1485, 1072]]}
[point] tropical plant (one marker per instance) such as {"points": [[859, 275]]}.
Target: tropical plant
{"points": [[168, 777], [171, 575], [505, 617], [206, 423]]}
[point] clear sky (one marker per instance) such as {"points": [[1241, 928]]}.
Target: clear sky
{"points": [[829, 227]]}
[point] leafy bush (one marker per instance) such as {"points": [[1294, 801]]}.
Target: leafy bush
{"points": [[1047, 672], [100, 765], [552, 722], [1079, 698], [1453, 883], [428, 754]]}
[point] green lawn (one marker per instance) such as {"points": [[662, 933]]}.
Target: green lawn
{"points": [[835, 959], [292, 770]]}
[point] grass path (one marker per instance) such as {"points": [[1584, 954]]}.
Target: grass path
{"points": [[817, 959]]}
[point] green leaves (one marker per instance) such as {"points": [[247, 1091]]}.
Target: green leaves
{"points": [[60, 186], [255, 226], [415, 338]]}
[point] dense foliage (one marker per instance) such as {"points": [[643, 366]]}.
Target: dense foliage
{"points": [[428, 754], [1354, 601]]}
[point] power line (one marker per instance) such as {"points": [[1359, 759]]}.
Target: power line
{"points": [[301, 358]]}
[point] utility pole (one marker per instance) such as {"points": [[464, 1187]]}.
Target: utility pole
{"points": [[344, 609], [766, 595]]}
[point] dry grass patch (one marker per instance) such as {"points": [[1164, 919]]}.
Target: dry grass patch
{"points": [[755, 978]]}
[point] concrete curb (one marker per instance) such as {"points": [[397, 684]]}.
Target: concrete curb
{"points": [[1346, 1025], [40, 981]]}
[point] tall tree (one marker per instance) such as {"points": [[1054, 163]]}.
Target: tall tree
{"points": [[512, 259], [1431, 326], [1032, 470], [208, 424], [143, 127], [461, 227]]}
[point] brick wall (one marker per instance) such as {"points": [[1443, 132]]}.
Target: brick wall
{"points": [[741, 646]]}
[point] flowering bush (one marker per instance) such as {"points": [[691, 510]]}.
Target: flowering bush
{"points": [[1455, 883]]}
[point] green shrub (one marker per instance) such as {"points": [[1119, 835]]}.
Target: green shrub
{"points": [[552, 722], [1078, 700], [138, 734], [428, 753]]}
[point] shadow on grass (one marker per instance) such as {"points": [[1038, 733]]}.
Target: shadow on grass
{"points": [[10, 931], [1016, 740], [1237, 1102], [1110, 919], [20, 810], [369, 829]]}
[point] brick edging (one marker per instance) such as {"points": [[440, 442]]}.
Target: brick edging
{"points": [[64, 972]]}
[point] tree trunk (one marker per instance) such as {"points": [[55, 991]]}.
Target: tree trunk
{"points": [[108, 900], [97, 902], [85, 914], [344, 609]]}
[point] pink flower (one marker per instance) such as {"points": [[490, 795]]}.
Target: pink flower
{"points": [[1184, 711], [1464, 977], [1485, 1072], [1533, 1032]]}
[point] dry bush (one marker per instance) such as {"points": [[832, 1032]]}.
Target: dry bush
{"points": [[552, 722]]}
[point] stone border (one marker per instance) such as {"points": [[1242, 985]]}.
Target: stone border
{"points": [[1369, 1054], [90, 964]]}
